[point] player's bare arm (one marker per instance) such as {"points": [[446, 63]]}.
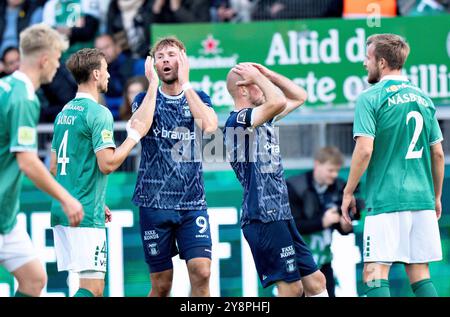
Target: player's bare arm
{"points": [[437, 169], [110, 159], [275, 102], [53, 164], [199, 110], [360, 160], [32, 166], [295, 95], [147, 109]]}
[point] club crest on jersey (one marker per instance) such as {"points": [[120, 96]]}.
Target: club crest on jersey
{"points": [[291, 265], [153, 249], [186, 111], [241, 116]]}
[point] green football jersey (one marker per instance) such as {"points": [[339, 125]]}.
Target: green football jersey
{"points": [[19, 115], [81, 129], [401, 119]]}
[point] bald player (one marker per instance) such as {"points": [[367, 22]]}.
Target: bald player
{"points": [[261, 98]]}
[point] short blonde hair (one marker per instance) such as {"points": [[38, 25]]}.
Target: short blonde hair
{"points": [[41, 37]]}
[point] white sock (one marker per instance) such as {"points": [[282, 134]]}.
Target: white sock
{"points": [[324, 293]]}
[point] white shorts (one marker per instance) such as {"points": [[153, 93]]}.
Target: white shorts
{"points": [[16, 249], [80, 249], [405, 236]]}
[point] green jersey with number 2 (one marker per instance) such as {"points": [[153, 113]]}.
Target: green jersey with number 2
{"points": [[401, 119]]}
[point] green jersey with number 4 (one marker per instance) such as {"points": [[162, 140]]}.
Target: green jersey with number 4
{"points": [[401, 119], [19, 115], [81, 129]]}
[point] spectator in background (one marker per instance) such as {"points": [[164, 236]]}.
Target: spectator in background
{"points": [[134, 86], [120, 67], [103, 8], [129, 21], [297, 9], [315, 198], [178, 11], [232, 10], [10, 61], [77, 19], [16, 15], [423, 7], [56, 94]]}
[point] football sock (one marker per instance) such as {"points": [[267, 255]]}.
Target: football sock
{"points": [[82, 292], [424, 288], [377, 288], [324, 293]]}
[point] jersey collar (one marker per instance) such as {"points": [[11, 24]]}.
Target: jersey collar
{"points": [[395, 77], [85, 95], [27, 81], [169, 96]]}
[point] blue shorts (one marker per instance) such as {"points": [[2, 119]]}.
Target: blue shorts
{"points": [[166, 233], [279, 251]]}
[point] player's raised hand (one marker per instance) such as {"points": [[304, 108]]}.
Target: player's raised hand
{"points": [[108, 214], [348, 202], [150, 71], [73, 210], [248, 72], [183, 68], [263, 70]]}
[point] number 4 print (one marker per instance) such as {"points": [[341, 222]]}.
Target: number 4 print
{"points": [[63, 160]]}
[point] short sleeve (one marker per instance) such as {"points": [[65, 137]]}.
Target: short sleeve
{"points": [[364, 123], [204, 97], [435, 132], [241, 118], [102, 129], [23, 132], [137, 102]]}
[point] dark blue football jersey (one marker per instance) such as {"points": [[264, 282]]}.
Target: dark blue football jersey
{"points": [[254, 155], [170, 174]]}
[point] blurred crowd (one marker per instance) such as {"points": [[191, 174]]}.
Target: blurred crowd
{"points": [[121, 29]]}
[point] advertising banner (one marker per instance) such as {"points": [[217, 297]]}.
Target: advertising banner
{"points": [[324, 56]]}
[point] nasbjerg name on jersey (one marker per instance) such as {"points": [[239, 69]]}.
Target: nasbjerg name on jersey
{"points": [[405, 98], [174, 135], [70, 120], [287, 251]]}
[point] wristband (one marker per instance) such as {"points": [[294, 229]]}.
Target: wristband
{"points": [[133, 133], [186, 86]]}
